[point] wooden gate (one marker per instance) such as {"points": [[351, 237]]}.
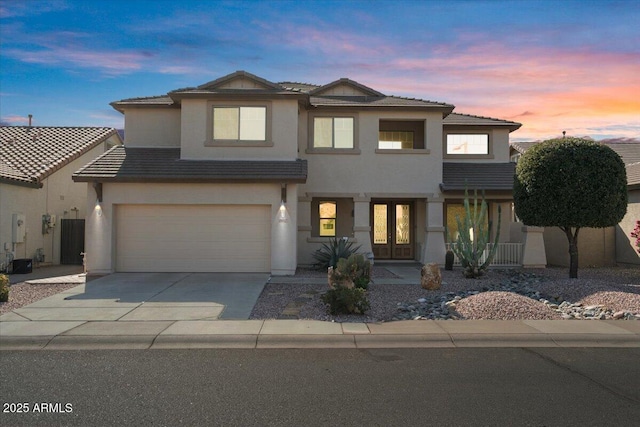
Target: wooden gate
{"points": [[72, 241]]}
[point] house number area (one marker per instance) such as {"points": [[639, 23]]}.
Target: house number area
{"points": [[37, 407]]}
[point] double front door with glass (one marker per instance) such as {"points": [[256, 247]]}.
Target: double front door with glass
{"points": [[392, 229]]}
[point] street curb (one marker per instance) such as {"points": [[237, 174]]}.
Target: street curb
{"points": [[204, 341], [334, 341]]}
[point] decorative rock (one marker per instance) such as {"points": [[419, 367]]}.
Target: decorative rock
{"points": [[430, 279]]}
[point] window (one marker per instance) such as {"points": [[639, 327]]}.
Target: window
{"points": [[401, 134], [457, 210], [240, 123], [333, 132], [327, 215], [389, 140], [468, 144]]}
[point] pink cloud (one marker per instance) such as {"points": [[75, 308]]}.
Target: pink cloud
{"points": [[110, 62], [14, 120]]}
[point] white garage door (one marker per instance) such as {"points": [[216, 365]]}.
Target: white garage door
{"points": [[193, 238]]}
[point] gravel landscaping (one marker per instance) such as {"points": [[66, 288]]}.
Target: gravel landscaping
{"points": [[602, 293], [21, 294]]}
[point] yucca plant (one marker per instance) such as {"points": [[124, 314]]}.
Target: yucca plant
{"points": [[329, 254], [473, 236]]}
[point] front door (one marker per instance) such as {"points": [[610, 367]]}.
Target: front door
{"points": [[392, 229]]}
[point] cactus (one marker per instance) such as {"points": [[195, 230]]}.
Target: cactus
{"points": [[449, 257], [355, 269], [473, 237]]}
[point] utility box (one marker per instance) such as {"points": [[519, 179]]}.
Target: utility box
{"points": [[22, 266], [18, 227]]}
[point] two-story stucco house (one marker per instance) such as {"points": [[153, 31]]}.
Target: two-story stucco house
{"points": [[243, 174]]}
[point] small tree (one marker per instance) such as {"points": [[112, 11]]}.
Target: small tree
{"points": [[570, 183]]}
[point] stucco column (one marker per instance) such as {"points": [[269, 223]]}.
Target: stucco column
{"points": [[361, 224], [434, 242], [284, 233], [99, 251], [533, 253]]}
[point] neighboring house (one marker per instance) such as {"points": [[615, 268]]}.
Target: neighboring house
{"points": [[599, 246], [243, 174], [37, 194]]}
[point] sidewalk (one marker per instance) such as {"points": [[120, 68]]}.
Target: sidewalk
{"points": [[74, 335]]}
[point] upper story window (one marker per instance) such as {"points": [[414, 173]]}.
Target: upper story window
{"points": [[468, 144], [240, 123], [333, 132], [401, 135], [398, 140]]}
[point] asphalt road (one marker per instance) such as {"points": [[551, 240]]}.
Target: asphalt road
{"points": [[382, 387]]}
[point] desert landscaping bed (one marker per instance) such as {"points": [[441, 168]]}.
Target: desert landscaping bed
{"points": [[602, 293]]}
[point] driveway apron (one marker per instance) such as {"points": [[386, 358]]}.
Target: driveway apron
{"points": [[153, 297]]}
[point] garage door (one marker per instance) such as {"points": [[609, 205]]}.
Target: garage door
{"points": [[193, 238]]}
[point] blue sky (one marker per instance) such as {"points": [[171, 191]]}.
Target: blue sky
{"points": [[550, 65]]}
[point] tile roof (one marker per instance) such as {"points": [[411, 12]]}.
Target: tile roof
{"points": [[481, 176], [145, 101], [123, 164], [471, 120], [299, 87], [374, 101], [628, 151], [348, 82], [30, 154], [633, 175]]}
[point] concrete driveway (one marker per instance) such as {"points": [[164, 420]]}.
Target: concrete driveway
{"points": [[153, 297]]}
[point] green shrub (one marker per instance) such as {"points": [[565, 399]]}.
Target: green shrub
{"points": [[355, 269], [329, 254], [343, 300], [4, 288]]}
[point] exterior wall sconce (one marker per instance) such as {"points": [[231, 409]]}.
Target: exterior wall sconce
{"points": [[282, 213], [98, 187]]}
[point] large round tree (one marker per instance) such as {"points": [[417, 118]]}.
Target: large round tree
{"points": [[570, 183]]}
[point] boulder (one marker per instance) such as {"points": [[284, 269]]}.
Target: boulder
{"points": [[430, 277]]}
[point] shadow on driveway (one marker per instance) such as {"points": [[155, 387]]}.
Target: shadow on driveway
{"points": [[234, 293]]}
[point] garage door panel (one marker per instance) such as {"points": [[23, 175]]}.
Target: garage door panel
{"points": [[193, 238]]}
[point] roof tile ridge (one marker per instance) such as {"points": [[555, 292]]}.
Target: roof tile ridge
{"points": [[138, 98], [408, 98], [482, 117]]}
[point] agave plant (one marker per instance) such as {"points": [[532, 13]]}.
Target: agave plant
{"points": [[473, 236], [329, 254]]}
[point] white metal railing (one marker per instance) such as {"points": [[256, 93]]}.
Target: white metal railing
{"points": [[507, 255]]}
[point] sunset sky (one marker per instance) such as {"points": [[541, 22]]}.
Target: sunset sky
{"points": [[551, 65]]}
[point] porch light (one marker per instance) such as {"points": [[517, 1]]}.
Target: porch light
{"points": [[282, 213]]}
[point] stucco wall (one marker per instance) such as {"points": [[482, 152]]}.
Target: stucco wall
{"points": [[282, 124], [596, 247], [152, 127], [626, 252], [100, 227], [372, 171], [58, 195]]}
